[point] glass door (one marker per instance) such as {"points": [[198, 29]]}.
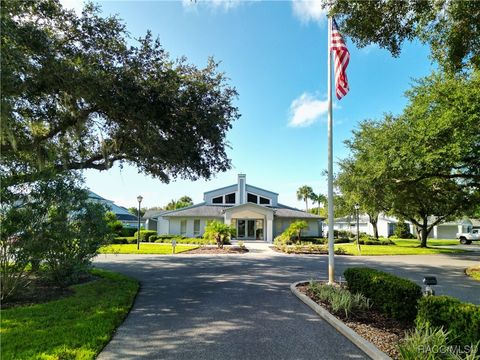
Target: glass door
{"points": [[251, 229], [241, 229]]}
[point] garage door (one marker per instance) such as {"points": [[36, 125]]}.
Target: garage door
{"points": [[447, 231]]}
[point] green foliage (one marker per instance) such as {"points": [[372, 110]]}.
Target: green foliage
{"points": [[159, 249], [134, 211], [50, 222], [145, 235], [54, 329], [341, 300], [402, 230], [371, 240], [114, 225], [428, 343], [307, 249], [392, 295], [219, 232], [294, 231], [450, 28], [128, 231], [462, 320], [165, 238], [434, 170], [183, 202], [194, 241], [78, 92], [304, 193]]}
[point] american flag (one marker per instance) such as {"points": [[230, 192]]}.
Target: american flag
{"points": [[342, 57]]}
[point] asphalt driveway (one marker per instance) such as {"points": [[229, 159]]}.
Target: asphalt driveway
{"points": [[240, 306]]}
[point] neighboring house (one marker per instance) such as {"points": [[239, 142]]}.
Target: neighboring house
{"points": [[385, 225], [122, 213], [449, 229], [255, 213]]}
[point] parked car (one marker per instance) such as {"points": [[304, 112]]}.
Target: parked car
{"points": [[467, 238]]}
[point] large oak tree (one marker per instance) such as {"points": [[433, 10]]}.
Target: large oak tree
{"points": [[76, 94], [424, 165]]}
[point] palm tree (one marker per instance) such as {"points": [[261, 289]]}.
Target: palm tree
{"points": [[304, 193], [319, 199]]}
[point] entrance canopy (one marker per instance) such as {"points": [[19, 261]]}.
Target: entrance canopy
{"points": [[252, 221]]}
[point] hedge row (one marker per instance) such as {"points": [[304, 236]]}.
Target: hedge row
{"points": [[391, 295], [196, 241], [461, 319], [124, 240], [145, 234]]}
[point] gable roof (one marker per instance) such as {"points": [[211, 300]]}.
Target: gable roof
{"points": [[203, 210], [199, 210], [121, 212]]}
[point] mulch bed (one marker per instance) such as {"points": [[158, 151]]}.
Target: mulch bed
{"points": [[38, 291], [304, 252], [216, 250], [385, 333]]}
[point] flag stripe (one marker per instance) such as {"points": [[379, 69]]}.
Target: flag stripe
{"points": [[342, 59]]}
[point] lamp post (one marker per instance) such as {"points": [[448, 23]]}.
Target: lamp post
{"points": [[139, 199], [357, 208]]}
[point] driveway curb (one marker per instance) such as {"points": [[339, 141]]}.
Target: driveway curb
{"points": [[367, 347]]}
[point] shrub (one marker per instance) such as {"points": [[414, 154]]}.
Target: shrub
{"points": [[128, 231], [219, 232], [427, 342], [371, 240], [294, 231], [402, 231], [344, 234], [115, 226], [195, 241], [341, 300], [119, 240], [462, 320], [391, 295], [145, 234]]}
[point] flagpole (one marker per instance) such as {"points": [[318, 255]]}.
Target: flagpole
{"points": [[331, 260]]}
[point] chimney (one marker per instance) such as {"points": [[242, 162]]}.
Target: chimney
{"points": [[242, 185]]}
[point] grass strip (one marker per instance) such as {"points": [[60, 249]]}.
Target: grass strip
{"points": [[75, 327]]}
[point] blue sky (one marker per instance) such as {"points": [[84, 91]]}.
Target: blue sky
{"points": [[275, 54]]}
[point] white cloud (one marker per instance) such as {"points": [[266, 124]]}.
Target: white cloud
{"points": [[224, 5], [76, 5], [307, 109], [309, 10]]}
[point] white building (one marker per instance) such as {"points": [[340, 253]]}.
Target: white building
{"points": [[255, 213]]}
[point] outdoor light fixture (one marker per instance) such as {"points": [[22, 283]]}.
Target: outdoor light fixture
{"points": [[357, 208], [429, 281], [139, 199]]}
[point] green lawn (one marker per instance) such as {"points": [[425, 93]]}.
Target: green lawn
{"points": [[75, 327], [402, 247], [473, 272], [430, 242], [145, 249]]}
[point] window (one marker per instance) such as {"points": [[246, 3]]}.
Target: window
{"points": [[264, 201], [183, 227], [230, 198], [196, 227], [217, 200], [252, 198]]}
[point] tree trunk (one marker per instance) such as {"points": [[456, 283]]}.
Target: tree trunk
{"points": [[306, 204], [375, 229], [424, 234]]}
